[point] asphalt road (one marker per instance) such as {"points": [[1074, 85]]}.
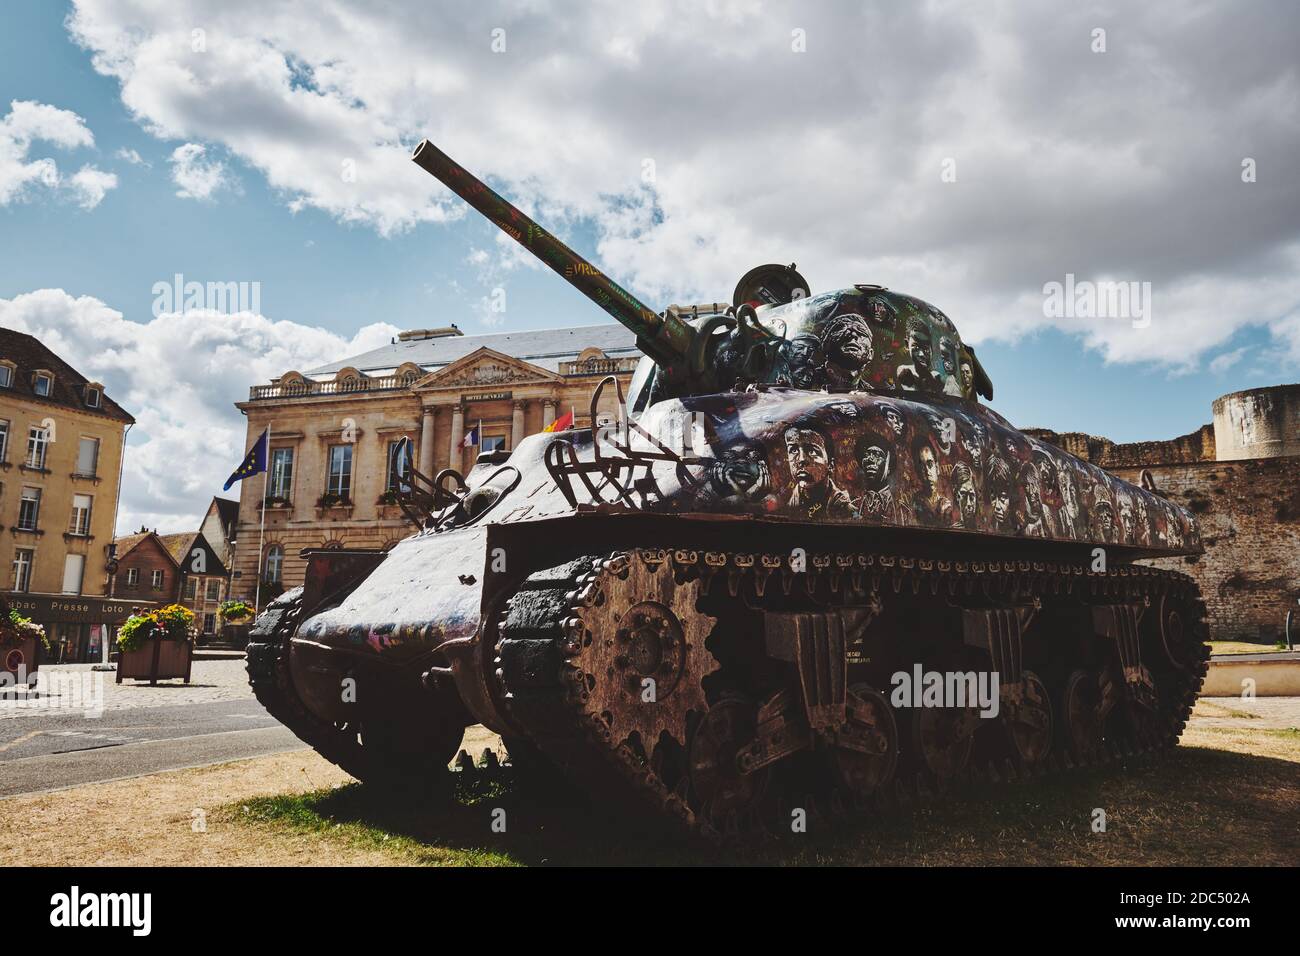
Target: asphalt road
{"points": [[53, 750]]}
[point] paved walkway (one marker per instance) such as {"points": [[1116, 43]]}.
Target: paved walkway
{"points": [[71, 686]]}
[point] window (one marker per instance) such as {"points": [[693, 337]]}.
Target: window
{"points": [[4, 437], [214, 589], [398, 466], [23, 569], [38, 441], [493, 442], [209, 624], [44, 383], [133, 577], [92, 397], [29, 509], [6, 376], [191, 589], [274, 564], [74, 566], [80, 515], [156, 580], [340, 474], [87, 456], [281, 473]]}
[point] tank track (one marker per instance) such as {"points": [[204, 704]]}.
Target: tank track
{"points": [[267, 664], [543, 665]]}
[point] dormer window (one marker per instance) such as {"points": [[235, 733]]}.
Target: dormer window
{"points": [[6, 375], [43, 384], [92, 396]]}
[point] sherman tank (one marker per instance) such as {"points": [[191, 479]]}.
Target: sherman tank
{"points": [[799, 567]]}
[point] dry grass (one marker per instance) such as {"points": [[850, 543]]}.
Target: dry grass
{"points": [[1241, 647], [1229, 795]]}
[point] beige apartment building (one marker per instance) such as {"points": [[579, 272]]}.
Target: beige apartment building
{"points": [[61, 440], [333, 430]]}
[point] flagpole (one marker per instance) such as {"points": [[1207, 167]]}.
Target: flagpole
{"points": [[261, 532]]}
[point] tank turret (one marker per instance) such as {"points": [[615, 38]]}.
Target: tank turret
{"points": [[865, 338]]}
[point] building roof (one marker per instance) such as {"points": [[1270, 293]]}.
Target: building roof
{"points": [[129, 542], [227, 511], [546, 348], [29, 354], [178, 545]]}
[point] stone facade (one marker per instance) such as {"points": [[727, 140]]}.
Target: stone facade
{"points": [[332, 430], [1244, 493], [61, 442]]}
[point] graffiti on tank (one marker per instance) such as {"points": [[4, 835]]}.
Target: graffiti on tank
{"points": [[874, 459]]}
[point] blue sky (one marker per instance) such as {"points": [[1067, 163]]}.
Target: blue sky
{"points": [[335, 264]]}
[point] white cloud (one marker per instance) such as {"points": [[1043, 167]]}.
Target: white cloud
{"points": [[131, 156], [179, 375], [20, 175], [90, 185], [1221, 363], [198, 178], [1122, 165]]}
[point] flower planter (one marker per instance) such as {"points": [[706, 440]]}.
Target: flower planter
{"points": [[20, 658], [156, 660]]}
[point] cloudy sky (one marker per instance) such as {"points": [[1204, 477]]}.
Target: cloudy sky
{"points": [[965, 153]]}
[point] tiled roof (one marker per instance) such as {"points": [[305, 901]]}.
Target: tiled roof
{"points": [[178, 545], [127, 542], [545, 348], [29, 354]]}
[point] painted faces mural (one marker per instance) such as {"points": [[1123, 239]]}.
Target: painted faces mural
{"points": [[942, 464], [811, 462], [863, 339]]}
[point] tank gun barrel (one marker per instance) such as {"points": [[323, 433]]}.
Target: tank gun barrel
{"points": [[665, 338]]}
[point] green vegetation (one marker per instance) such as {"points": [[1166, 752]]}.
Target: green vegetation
{"points": [[1172, 811], [235, 610], [171, 623], [23, 629]]}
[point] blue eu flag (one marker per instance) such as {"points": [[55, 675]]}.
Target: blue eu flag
{"points": [[254, 462]]}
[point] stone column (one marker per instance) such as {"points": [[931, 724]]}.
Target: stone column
{"points": [[426, 442], [517, 424], [456, 458], [548, 411]]}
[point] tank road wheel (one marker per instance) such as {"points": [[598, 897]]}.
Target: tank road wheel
{"points": [[1029, 723], [872, 720], [1177, 635], [719, 791], [1082, 723]]}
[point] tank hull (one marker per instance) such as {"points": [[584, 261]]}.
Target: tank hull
{"points": [[796, 553]]}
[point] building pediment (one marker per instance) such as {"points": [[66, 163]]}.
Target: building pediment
{"points": [[485, 367]]}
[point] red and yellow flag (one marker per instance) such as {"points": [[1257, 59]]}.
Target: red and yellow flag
{"points": [[562, 423]]}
